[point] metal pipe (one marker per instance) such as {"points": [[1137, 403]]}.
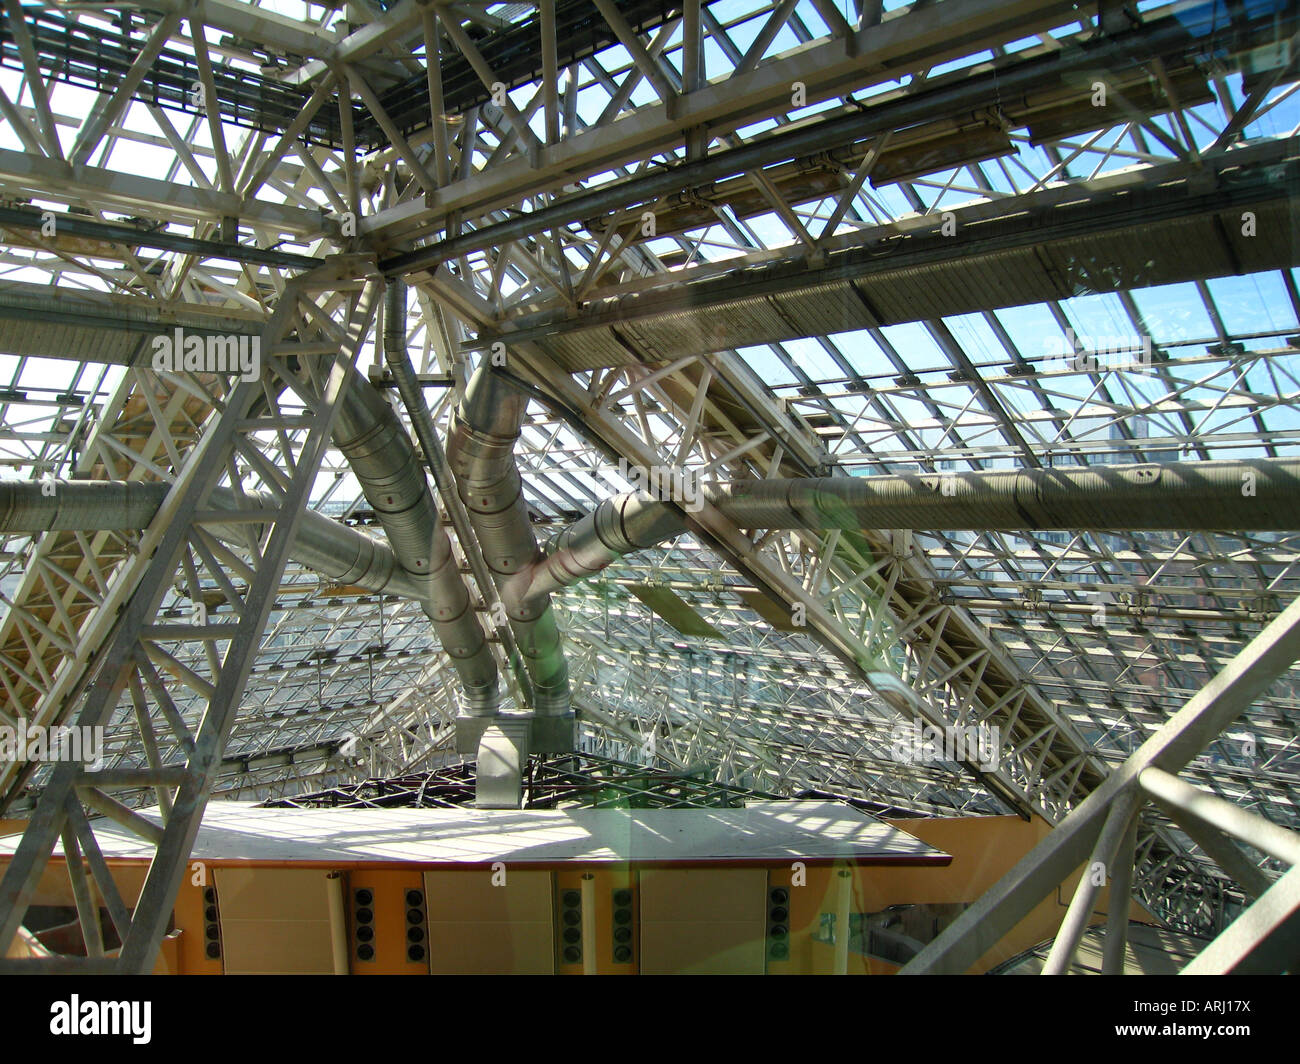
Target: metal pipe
{"points": [[29, 506], [338, 923], [1079, 914], [379, 451], [1183, 801], [1258, 494], [412, 395], [1225, 615], [1219, 848], [1118, 903], [480, 451], [618, 526], [420, 564], [349, 556], [1261, 941], [589, 965], [345, 555], [843, 898], [1178, 740]]}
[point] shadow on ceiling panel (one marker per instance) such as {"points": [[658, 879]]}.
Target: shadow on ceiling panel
{"points": [[1058, 113], [776, 615], [1276, 243], [905, 163], [676, 611]]}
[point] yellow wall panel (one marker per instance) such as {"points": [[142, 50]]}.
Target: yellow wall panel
{"points": [[703, 921], [275, 920], [389, 889], [481, 927]]}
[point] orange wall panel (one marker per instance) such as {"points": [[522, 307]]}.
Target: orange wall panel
{"points": [[983, 849], [607, 880], [389, 888], [191, 911]]}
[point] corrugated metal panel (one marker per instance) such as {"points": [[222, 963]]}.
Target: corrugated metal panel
{"points": [[905, 162], [588, 349], [960, 285], [98, 327], [668, 336], [742, 322], [1162, 252], [19, 299], [754, 319], [79, 342], [1277, 237], [1170, 251], [830, 309]]}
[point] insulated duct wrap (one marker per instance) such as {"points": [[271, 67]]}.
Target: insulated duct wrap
{"points": [[618, 526], [28, 506], [1260, 495], [380, 454], [420, 564], [1257, 494], [480, 452], [345, 555]]}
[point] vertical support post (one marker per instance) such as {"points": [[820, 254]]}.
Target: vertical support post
{"points": [[338, 923], [843, 898], [437, 115], [693, 71], [550, 71], [92, 932], [588, 924]]}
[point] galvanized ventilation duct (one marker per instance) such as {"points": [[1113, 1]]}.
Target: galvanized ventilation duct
{"points": [[398, 361], [28, 506], [480, 450], [1258, 494], [379, 451], [345, 555]]}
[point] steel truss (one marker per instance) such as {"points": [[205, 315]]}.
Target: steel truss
{"points": [[553, 782], [523, 224], [1259, 941], [144, 646]]}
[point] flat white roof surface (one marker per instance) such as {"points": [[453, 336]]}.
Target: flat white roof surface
{"points": [[763, 831]]}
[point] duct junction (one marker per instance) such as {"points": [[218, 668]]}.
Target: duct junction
{"points": [[484, 430], [418, 562], [1261, 495], [1258, 494]]}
